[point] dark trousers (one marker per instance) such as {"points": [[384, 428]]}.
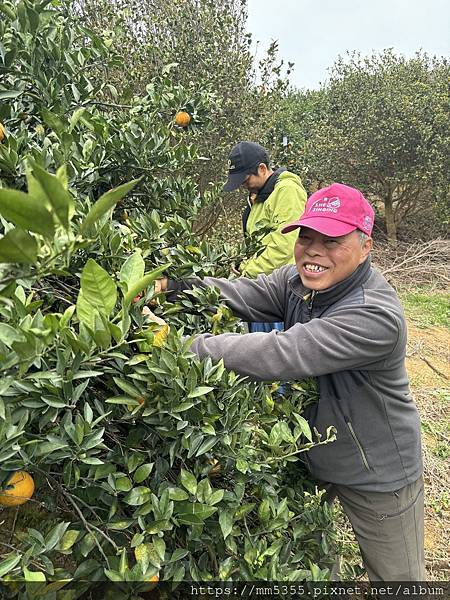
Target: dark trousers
{"points": [[389, 527]]}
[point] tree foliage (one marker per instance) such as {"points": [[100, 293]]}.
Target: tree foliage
{"points": [[207, 43], [148, 463], [380, 124]]}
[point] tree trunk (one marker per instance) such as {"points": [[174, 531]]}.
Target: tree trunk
{"points": [[391, 227]]}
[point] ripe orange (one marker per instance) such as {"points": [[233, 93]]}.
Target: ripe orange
{"points": [[2, 132], [182, 118], [17, 490]]}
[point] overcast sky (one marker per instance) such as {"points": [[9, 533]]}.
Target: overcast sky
{"points": [[312, 33]]}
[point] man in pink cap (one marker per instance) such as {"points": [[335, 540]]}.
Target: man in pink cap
{"points": [[344, 325]]}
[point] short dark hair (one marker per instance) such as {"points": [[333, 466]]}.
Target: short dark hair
{"points": [[265, 160]]}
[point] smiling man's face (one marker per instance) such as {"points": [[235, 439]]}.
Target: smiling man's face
{"points": [[322, 261]]}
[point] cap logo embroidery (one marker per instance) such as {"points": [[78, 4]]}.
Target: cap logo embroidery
{"points": [[367, 222], [326, 205], [231, 166]]}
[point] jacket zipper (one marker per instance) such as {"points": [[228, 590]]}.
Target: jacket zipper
{"points": [[310, 303], [361, 451]]}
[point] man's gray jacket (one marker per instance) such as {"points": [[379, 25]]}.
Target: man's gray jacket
{"points": [[352, 338]]}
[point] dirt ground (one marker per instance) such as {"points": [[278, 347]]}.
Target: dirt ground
{"points": [[428, 361]]}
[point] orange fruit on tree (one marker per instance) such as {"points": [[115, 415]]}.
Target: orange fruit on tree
{"points": [[2, 132], [17, 490], [182, 118]]}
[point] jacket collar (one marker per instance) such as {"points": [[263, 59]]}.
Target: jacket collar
{"points": [[268, 187], [336, 292]]}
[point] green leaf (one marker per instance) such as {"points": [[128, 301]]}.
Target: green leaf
{"points": [[143, 283], [142, 555], [102, 334], [98, 291], [160, 547], [142, 472], [113, 575], [67, 315], [8, 335], [55, 535], [123, 484], [120, 525], [183, 406], [264, 511], [86, 567], [304, 426], [132, 269], [178, 554], [193, 513], [9, 93], [177, 494], [68, 539], [45, 448], [207, 445], [188, 481], [200, 391], [242, 465], [24, 210], [126, 387], [107, 201], [61, 174], [122, 400], [87, 543], [138, 496], [33, 575], [226, 523], [244, 509], [58, 197], [9, 563], [216, 497], [77, 114], [18, 246]]}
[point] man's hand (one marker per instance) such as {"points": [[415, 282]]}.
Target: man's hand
{"points": [[161, 332], [235, 270], [161, 285], [152, 317]]}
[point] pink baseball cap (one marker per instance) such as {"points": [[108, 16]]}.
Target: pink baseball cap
{"points": [[336, 210]]}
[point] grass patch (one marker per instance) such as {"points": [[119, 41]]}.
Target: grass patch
{"points": [[427, 307]]}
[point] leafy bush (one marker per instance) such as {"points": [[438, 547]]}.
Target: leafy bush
{"points": [[148, 463]]}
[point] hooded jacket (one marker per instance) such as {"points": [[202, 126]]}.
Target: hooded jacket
{"points": [[352, 338], [280, 201]]}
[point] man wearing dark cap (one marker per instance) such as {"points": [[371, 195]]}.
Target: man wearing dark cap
{"points": [[275, 198], [344, 325]]}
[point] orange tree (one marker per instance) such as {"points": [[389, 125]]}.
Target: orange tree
{"points": [[148, 463], [380, 124], [207, 43]]}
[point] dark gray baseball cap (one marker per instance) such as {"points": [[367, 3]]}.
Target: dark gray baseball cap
{"points": [[243, 160]]}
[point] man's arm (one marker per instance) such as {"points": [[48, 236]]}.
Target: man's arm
{"points": [[278, 247], [353, 338], [261, 299]]}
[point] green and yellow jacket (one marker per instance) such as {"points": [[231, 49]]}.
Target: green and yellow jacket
{"points": [[280, 201]]}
